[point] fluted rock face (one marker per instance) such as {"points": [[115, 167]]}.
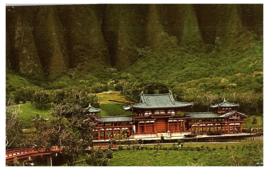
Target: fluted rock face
{"points": [[83, 34], [124, 30], [24, 55], [48, 40]]}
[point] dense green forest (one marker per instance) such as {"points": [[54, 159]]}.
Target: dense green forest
{"points": [[203, 53]]}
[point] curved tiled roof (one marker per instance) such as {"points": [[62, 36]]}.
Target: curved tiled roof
{"points": [[92, 110], [211, 114], [225, 104], [115, 119], [232, 112], [164, 100], [202, 114]]}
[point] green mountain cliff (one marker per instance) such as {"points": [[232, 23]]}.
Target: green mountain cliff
{"points": [[193, 48]]}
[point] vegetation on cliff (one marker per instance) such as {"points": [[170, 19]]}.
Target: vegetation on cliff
{"points": [[202, 52]]}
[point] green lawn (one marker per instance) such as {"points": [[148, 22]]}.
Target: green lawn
{"points": [[241, 154], [28, 111], [112, 109]]}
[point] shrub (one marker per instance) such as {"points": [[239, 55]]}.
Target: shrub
{"points": [[109, 154], [24, 94], [120, 147], [41, 98]]}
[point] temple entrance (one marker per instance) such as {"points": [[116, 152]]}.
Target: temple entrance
{"points": [[161, 125]]}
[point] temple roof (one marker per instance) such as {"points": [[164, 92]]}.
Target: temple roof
{"points": [[211, 114], [232, 112], [115, 119], [225, 104], [202, 114], [91, 109], [158, 101]]}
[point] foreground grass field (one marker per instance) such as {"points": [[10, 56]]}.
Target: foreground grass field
{"points": [[234, 154]]}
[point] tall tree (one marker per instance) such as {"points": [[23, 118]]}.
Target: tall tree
{"points": [[13, 124]]}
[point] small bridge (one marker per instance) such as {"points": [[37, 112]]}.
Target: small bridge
{"points": [[24, 153]]}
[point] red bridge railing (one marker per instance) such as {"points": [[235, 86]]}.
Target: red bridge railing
{"points": [[11, 153]]}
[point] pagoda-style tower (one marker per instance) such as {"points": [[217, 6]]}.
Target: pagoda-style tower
{"points": [[92, 110], [224, 107]]}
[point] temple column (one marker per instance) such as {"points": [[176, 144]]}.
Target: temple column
{"points": [[155, 131], [206, 129], [144, 127], [113, 130], [228, 129], [167, 125], [104, 133], [98, 134], [240, 128], [178, 126], [213, 127], [138, 127], [184, 125]]}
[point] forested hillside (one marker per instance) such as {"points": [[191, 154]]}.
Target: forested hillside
{"points": [[202, 52]]}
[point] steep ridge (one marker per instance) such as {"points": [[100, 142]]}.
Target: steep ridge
{"points": [[49, 40], [84, 38], [123, 29], [24, 56]]}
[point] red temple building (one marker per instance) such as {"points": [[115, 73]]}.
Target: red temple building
{"points": [[158, 114]]}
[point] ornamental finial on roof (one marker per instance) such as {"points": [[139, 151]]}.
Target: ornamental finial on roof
{"points": [[142, 92], [89, 105], [224, 100], [170, 91]]}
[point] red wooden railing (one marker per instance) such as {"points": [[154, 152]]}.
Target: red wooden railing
{"points": [[16, 152], [105, 145]]}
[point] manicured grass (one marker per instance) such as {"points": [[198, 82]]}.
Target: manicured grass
{"points": [[103, 98], [28, 111], [242, 154], [110, 108]]}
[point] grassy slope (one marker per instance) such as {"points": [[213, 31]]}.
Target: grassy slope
{"points": [[181, 68], [218, 157], [109, 108], [29, 111]]}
